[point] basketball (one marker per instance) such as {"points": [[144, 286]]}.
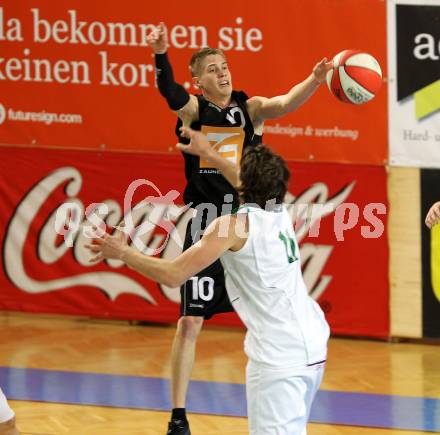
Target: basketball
{"points": [[355, 78]]}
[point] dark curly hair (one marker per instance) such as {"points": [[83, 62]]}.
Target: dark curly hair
{"points": [[264, 177]]}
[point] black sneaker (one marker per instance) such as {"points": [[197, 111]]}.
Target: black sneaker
{"points": [[178, 427]]}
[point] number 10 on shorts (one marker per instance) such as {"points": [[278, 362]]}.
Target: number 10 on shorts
{"points": [[202, 288]]}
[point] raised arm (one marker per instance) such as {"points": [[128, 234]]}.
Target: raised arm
{"points": [[222, 234], [178, 99], [261, 108], [201, 147]]}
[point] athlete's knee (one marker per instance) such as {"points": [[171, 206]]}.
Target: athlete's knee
{"points": [[189, 327]]}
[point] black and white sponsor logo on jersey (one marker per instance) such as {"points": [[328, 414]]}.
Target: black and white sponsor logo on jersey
{"points": [[214, 106], [418, 47], [191, 305]]}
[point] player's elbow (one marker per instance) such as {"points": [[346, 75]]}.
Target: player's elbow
{"points": [[172, 282], [173, 277]]}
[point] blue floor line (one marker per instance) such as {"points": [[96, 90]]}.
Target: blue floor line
{"points": [[330, 407]]}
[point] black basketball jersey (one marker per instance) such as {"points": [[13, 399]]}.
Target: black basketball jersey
{"points": [[230, 130]]}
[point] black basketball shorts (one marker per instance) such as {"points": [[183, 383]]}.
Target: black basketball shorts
{"points": [[204, 294]]}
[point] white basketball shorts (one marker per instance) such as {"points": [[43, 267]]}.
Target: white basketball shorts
{"points": [[279, 400], [6, 413]]}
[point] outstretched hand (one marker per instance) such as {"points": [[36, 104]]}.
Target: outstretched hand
{"points": [[158, 39], [199, 145], [107, 246], [321, 69], [433, 216]]}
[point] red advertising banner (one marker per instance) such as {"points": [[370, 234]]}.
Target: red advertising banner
{"points": [[46, 268], [81, 75]]}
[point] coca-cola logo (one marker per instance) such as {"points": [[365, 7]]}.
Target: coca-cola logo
{"points": [[74, 220], [113, 283]]}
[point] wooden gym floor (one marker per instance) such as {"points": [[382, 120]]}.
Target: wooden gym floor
{"points": [[53, 359]]}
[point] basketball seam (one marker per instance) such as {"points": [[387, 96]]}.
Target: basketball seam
{"points": [[354, 79]]}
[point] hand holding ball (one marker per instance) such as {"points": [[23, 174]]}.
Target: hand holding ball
{"points": [[355, 78]]}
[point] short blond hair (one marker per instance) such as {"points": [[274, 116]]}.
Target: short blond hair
{"points": [[197, 58]]}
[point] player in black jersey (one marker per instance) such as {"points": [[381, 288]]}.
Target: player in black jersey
{"points": [[231, 121]]}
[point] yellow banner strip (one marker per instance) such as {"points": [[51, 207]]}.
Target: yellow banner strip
{"points": [[427, 100]]}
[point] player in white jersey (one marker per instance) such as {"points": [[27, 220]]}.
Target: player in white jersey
{"points": [[286, 340], [7, 417]]}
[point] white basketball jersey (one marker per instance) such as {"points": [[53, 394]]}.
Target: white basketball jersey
{"points": [[285, 326]]}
